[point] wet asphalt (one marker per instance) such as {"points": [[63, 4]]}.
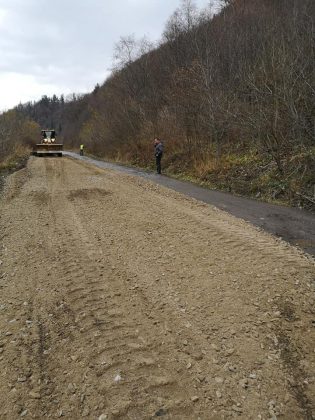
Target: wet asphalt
{"points": [[293, 225]]}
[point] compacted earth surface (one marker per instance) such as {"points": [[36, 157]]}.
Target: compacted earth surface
{"points": [[121, 299], [294, 225]]}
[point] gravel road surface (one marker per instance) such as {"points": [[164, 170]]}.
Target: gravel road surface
{"points": [[296, 226], [122, 299]]}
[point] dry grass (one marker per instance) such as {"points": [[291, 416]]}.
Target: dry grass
{"points": [[15, 159]]}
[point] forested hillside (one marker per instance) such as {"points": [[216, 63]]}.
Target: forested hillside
{"points": [[232, 96]]}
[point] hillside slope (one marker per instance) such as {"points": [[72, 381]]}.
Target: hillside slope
{"points": [[232, 96]]}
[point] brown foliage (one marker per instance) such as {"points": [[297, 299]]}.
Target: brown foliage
{"points": [[16, 131], [241, 80]]}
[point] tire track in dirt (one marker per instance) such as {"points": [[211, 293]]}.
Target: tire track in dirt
{"points": [[293, 225], [25, 361], [271, 251], [94, 312], [187, 307]]}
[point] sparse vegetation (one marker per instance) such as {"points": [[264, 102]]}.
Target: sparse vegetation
{"points": [[17, 134]]}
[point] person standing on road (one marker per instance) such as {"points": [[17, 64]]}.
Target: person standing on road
{"points": [[158, 146], [81, 149]]}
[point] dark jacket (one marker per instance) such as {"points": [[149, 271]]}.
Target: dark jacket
{"points": [[158, 149]]}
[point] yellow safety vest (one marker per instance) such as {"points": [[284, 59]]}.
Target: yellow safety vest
{"points": [[81, 147]]}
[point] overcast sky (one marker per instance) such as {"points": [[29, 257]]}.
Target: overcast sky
{"points": [[66, 46]]}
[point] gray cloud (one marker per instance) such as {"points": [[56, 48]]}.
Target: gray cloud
{"points": [[66, 45]]}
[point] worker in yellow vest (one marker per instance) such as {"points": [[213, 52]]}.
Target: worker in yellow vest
{"points": [[81, 149]]}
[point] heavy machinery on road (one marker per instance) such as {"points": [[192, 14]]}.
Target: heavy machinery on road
{"points": [[48, 145]]}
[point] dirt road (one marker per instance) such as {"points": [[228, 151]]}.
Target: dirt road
{"points": [[121, 299], [294, 225]]}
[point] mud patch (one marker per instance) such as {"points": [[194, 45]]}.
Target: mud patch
{"points": [[40, 197], [287, 311], [88, 194], [291, 358]]}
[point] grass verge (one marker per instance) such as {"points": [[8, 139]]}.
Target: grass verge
{"points": [[13, 162]]}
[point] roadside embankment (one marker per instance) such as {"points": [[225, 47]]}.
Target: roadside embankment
{"points": [[13, 162], [246, 174]]}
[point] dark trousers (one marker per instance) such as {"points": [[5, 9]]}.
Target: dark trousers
{"points": [[81, 152], [158, 163]]}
